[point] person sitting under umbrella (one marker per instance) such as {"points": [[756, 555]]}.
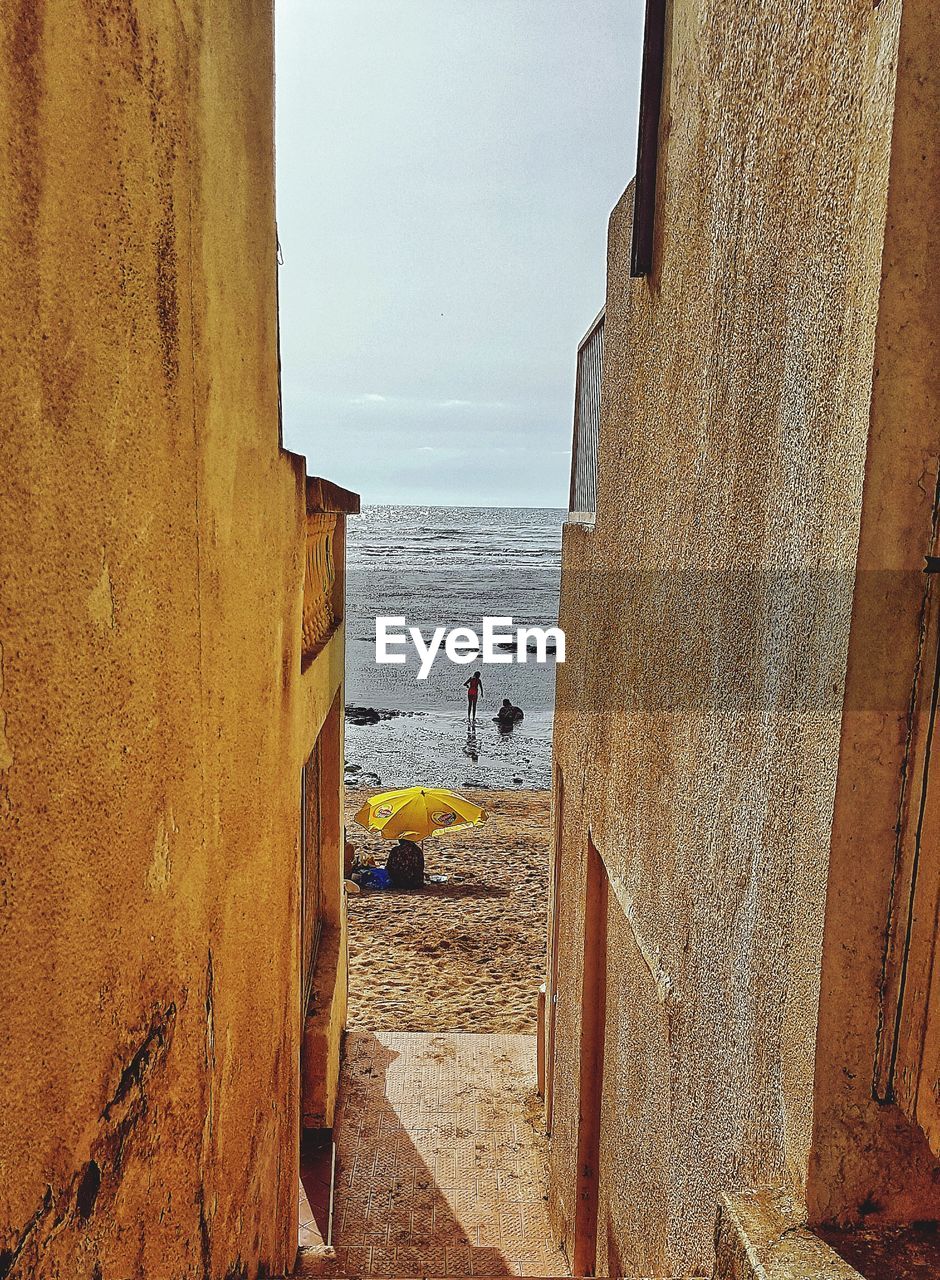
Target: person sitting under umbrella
{"points": [[405, 865], [411, 814]]}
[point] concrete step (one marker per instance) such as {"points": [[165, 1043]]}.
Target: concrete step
{"points": [[319, 1264], [764, 1236]]}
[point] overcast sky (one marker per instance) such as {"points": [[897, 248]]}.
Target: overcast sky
{"points": [[445, 171]]}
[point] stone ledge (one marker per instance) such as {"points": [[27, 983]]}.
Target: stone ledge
{"points": [[324, 495], [764, 1236]]}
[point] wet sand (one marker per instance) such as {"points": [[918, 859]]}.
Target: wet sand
{"points": [[442, 750], [468, 955]]}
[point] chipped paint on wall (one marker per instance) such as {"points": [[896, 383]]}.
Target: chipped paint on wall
{"points": [[101, 600], [158, 873]]}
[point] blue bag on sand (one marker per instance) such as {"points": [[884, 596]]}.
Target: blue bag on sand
{"points": [[379, 878]]}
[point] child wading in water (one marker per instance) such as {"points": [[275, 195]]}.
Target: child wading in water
{"points": [[474, 687]]}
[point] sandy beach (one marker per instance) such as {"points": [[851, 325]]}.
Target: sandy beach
{"points": [[467, 955]]}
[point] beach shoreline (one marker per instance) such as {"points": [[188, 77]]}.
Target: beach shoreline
{"points": [[445, 567], [387, 748]]}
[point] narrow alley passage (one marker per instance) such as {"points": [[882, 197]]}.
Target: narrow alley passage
{"points": [[440, 1158]]}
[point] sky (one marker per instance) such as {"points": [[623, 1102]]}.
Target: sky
{"points": [[445, 173]]}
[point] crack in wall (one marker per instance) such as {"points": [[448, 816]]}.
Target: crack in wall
{"points": [[10, 1257], [78, 1198], [155, 1042], [205, 1226]]}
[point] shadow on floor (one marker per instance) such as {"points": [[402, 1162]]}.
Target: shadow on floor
{"points": [[438, 1171], [888, 1253]]}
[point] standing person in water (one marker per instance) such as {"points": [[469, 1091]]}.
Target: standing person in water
{"points": [[474, 687]]}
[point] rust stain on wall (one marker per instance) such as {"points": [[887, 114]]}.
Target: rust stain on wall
{"points": [[6, 749], [24, 29], [167, 296]]}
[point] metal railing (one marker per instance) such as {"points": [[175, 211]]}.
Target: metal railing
{"points": [[582, 499]]}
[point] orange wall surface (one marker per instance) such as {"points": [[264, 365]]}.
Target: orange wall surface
{"points": [[153, 716]]}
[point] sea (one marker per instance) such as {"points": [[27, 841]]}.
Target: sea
{"points": [[450, 567]]}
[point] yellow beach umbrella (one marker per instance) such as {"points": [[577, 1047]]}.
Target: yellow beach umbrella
{"points": [[417, 812]]}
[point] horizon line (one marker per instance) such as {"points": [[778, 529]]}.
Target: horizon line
{"points": [[456, 506]]}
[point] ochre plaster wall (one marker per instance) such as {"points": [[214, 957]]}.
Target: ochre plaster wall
{"points": [[326, 1016], [153, 716], [707, 615]]}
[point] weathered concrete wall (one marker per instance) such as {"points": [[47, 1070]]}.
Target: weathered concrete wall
{"points": [[707, 615], [154, 718], [869, 1162]]}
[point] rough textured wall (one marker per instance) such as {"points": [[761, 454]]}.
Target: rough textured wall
{"points": [[698, 714], [869, 1162], [153, 718]]}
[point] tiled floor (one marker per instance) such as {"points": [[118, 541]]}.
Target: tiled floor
{"points": [[440, 1165]]}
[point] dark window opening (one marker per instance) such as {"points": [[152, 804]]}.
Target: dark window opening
{"points": [[582, 498], [647, 153]]}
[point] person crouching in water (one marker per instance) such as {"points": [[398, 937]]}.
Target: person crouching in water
{"points": [[508, 716], [474, 687]]}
